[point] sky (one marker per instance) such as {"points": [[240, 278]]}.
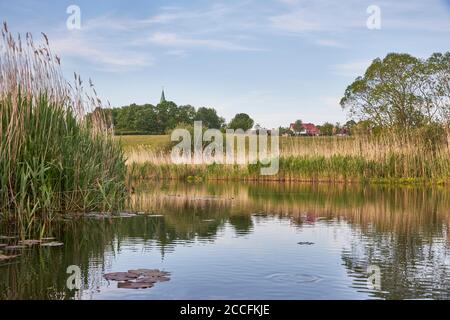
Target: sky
{"points": [[277, 60]]}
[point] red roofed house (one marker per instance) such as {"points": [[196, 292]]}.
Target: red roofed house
{"points": [[309, 129]]}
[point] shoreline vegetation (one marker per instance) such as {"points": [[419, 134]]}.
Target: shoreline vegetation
{"points": [[389, 158], [53, 160], [399, 132], [59, 153]]}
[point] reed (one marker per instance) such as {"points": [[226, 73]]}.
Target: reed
{"points": [[52, 158], [390, 157]]}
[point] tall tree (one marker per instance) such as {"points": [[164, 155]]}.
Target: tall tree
{"points": [[298, 126], [241, 121], [209, 118], [437, 87], [327, 129], [389, 93]]}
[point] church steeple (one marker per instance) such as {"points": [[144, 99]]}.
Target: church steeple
{"points": [[163, 97]]}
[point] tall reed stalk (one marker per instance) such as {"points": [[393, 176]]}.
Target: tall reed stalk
{"points": [[52, 159], [390, 157]]}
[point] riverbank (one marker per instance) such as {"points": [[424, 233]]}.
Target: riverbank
{"points": [[381, 160]]}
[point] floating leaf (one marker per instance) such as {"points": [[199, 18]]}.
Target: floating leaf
{"points": [[138, 279], [52, 244], [135, 285], [30, 242], [120, 276]]}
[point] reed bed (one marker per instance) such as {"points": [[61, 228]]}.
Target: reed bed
{"points": [[391, 157], [53, 159]]}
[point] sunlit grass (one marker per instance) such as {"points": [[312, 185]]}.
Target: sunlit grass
{"points": [[386, 158]]}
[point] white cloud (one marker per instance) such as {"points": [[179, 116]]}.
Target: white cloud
{"points": [[352, 69], [174, 40], [296, 22], [334, 16], [103, 56], [321, 15]]}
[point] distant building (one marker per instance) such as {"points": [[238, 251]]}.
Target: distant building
{"points": [[163, 97], [308, 129]]}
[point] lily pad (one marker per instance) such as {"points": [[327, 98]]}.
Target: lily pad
{"points": [[135, 285], [138, 279], [125, 215], [30, 242], [150, 274], [120, 276]]}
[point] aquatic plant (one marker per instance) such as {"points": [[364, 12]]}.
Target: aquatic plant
{"points": [[390, 157], [52, 158]]}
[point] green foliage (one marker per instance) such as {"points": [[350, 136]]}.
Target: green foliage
{"points": [[327, 129], [284, 131], [209, 118], [241, 121], [160, 119], [53, 160], [420, 156], [402, 91], [298, 126], [56, 164]]}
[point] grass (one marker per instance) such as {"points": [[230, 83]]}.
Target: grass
{"points": [[52, 159], [390, 158], [149, 142]]}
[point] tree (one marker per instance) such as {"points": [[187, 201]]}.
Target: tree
{"points": [[401, 91], [437, 88], [185, 114], [209, 118], [349, 126], [241, 121], [298, 126], [327, 129]]}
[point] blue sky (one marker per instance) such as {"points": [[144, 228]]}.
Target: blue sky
{"points": [[277, 60]]}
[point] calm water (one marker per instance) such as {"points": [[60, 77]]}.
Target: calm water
{"points": [[241, 241]]}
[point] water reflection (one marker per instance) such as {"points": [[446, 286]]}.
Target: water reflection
{"points": [[227, 240]]}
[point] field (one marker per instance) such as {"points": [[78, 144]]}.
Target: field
{"points": [[384, 159], [153, 143]]}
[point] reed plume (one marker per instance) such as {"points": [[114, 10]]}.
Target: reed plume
{"points": [[53, 158]]}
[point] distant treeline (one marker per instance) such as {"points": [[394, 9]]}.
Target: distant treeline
{"points": [[160, 119], [166, 116]]}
